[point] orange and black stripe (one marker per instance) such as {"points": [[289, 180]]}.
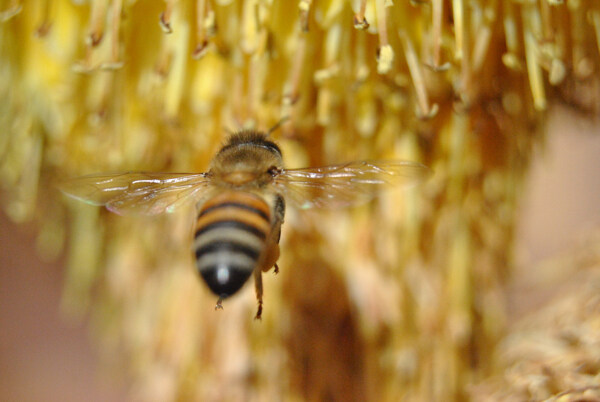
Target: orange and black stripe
{"points": [[231, 234]]}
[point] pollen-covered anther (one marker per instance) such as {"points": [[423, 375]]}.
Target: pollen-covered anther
{"points": [[325, 74], [165, 23], [205, 28], [304, 7], [200, 50], [43, 29], [360, 21], [45, 24], [557, 72], [512, 61], [94, 38], [97, 18], [164, 19], [385, 58], [385, 53], [111, 65], [210, 23], [548, 58]]}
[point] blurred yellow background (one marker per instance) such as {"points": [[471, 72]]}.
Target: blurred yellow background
{"points": [[45, 357]]}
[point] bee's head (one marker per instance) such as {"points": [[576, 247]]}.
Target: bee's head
{"points": [[247, 156]]}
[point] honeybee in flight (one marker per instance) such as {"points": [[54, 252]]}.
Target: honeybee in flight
{"points": [[241, 202]]}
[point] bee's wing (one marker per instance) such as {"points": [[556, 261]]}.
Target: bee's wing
{"points": [[346, 184], [138, 193]]}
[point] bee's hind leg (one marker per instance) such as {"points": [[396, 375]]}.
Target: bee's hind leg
{"points": [[270, 259], [259, 292]]}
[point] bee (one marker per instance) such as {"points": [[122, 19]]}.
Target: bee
{"points": [[241, 202]]}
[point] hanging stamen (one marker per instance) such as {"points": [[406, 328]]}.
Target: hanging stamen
{"points": [[464, 88], [534, 71], [547, 27], [596, 24], [304, 7], [98, 16], [424, 110], [360, 21], [531, 28], [583, 67], [459, 30], [165, 17], [201, 40], [254, 83], [94, 38], [483, 38], [362, 70], [550, 49], [437, 15], [163, 64], [44, 26], [331, 68], [210, 21], [511, 38], [100, 97], [250, 27], [208, 28], [293, 83], [291, 88], [177, 46], [114, 62], [385, 56]]}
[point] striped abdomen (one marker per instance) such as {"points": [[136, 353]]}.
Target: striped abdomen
{"points": [[231, 234]]}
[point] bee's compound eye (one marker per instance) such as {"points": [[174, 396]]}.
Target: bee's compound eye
{"points": [[274, 171], [225, 281]]}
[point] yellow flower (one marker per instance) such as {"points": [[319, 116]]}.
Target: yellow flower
{"points": [[396, 300]]}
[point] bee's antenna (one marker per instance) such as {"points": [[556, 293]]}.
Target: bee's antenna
{"points": [[278, 124]]}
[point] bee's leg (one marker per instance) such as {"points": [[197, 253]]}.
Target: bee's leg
{"points": [[219, 305], [272, 251], [259, 292], [271, 257]]}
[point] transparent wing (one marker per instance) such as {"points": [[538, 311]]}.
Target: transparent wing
{"points": [[138, 193], [346, 184]]}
